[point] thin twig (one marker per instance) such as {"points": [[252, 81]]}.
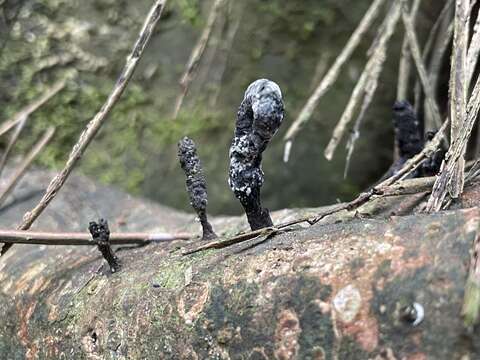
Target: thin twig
{"points": [[459, 89], [26, 163], [420, 66], [94, 125], [220, 244], [196, 55], [368, 78], [413, 163], [226, 50], [80, 238], [406, 187], [436, 37], [11, 143], [440, 48], [473, 52], [55, 89], [332, 74], [405, 61], [31, 108]]}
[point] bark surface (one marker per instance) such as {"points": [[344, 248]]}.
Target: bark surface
{"points": [[336, 290]]}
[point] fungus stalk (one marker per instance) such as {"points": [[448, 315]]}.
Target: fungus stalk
{"points": [[408, 137], [196, 184], [101, 235], [258, 119], [410, 143]]}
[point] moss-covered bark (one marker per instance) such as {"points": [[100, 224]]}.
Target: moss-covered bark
{"points": [[332, 291]]}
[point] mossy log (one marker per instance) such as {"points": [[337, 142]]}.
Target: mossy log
{"points": [[336, 290]]}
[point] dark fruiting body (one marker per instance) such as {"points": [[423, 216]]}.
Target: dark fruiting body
{"points": [[196, 183], [258, 119], [408, 136], [407, 130], [101, 235]]}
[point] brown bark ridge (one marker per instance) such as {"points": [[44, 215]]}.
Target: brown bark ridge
{"points": [[374, 284]]}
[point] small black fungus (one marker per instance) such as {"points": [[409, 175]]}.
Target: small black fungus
{"points": [[410, 142], [196, 183], [407, 130], [258, 119], [101, 235], [408, 136]]}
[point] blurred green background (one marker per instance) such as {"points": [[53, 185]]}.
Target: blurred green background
{"points": [[290, 42]]}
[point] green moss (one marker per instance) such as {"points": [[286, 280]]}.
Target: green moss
{"points": [[190, 11], [471, 306], [173, 275]]}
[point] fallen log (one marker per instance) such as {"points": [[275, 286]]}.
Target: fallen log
{"points": [[356, 285]]}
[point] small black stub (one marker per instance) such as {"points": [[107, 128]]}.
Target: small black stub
{"points": [[101, 235]]}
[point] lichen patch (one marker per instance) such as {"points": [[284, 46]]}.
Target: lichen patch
{"points": [[286, 335], [192, 301]]}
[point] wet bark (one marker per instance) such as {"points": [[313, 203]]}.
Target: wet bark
{"points": [[338, 290]]}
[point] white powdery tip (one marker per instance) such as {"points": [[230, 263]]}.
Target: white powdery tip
{"points": [[268, 85]]}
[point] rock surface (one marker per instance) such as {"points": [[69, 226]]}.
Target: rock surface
{"points": [[336, 290]]}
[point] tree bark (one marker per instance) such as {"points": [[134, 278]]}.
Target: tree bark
{"points": [[335, 290]]}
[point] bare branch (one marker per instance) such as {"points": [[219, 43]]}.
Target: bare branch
{"points": [[31, 108], [196, 55], [369, 77], [473, 52], [440, 48], [407, 187], [451, 178], [94, 125], [79, 238], [405, 61], [422, 72], [333, 73], [459, 89], [11, 143], [413, 163], [436, 37], [32, 155]]}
